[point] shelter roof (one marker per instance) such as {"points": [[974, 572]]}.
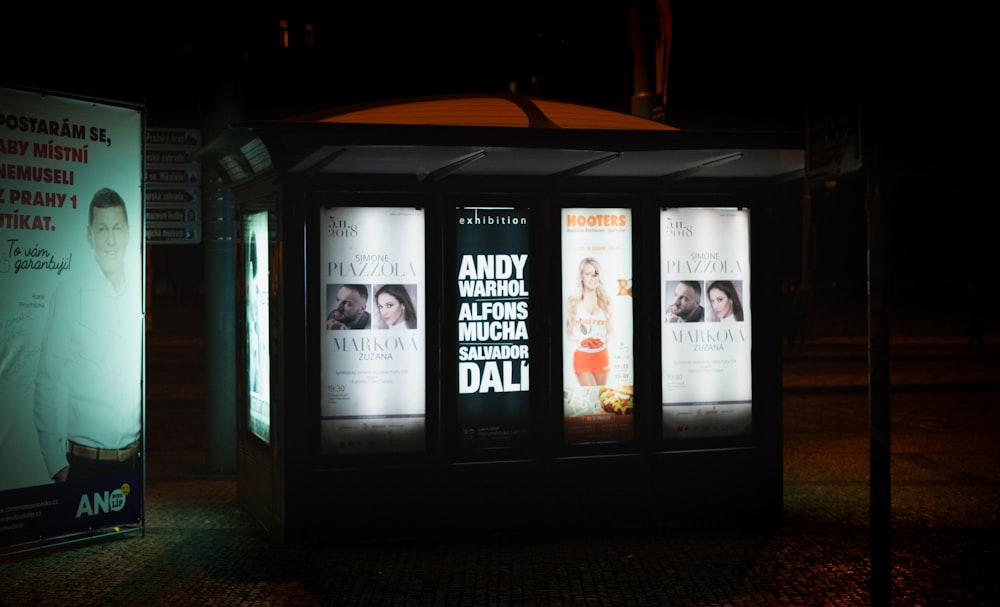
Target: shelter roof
{"points": [[508, 110], [506, 141]]}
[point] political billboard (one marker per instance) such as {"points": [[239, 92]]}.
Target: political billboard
{"points": [[71, 316]]}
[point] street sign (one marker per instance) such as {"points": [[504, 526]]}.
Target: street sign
{"points": [[172, 187]]}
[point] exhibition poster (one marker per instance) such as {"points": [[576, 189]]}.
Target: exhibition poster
{"points": [[492, 276], [71, 316], [596, 326], [705, 325], [373, 333]]}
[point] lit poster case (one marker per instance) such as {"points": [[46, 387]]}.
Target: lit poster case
{"points": [[493, 404], [373, 332], [72, 339], [705, 322], [597, 325], [258, 325]]}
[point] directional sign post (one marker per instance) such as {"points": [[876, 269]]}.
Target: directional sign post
{"points": [[172, 187]]}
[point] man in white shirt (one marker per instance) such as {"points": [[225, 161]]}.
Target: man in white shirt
{"points": [[88, 409]]}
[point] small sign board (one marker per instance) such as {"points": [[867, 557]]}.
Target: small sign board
{"points": [[172, 186], [833, 144]]}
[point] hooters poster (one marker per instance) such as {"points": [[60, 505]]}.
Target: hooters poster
{"points": [[705, 322], [596, 325], [372, 311], [492, 275], [71, 314]]}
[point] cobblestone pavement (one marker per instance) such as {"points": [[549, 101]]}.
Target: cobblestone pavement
{"points": [[199, 548]]}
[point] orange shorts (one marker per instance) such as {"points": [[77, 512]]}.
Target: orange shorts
{"points": [[591, 362]]}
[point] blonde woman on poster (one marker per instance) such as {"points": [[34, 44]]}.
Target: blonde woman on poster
{"points": [[589, 325]]}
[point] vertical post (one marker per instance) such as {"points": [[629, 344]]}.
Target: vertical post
{"points": [[805, 292], [220, 295], [220, 334], [878, 370]]}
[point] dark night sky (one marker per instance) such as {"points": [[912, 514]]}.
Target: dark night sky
{"points": [[732, 63], [735, 65], [729, 62]]}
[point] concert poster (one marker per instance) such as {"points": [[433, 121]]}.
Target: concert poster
{"points": [[705, 322], [373, 333]]}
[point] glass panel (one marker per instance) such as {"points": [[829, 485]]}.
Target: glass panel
{"points": [[372, 353], [597, 312], [705, 300], [493, 405], [258, 326]]}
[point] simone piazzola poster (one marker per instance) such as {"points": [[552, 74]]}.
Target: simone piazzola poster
{"points": [[705, 323], [372, 346], [597, 317]]}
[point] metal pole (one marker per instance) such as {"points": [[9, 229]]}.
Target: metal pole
{"points": [[220, 296], [878, 373], [220, 334]]}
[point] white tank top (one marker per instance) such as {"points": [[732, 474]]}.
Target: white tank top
{"points": [[591, 330]]}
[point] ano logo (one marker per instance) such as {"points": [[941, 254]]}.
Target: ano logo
{"points": [[103, 503]]}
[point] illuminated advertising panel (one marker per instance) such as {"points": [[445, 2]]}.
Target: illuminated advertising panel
{"points": [[372, 311], [71, 316], [597, 316], [705, 324], [493, 319], [258, 317]]}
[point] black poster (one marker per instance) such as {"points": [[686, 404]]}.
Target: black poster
{"points": [[492, 277]]}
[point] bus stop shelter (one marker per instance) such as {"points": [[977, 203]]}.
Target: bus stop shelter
{"points": [[468, 420]]}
